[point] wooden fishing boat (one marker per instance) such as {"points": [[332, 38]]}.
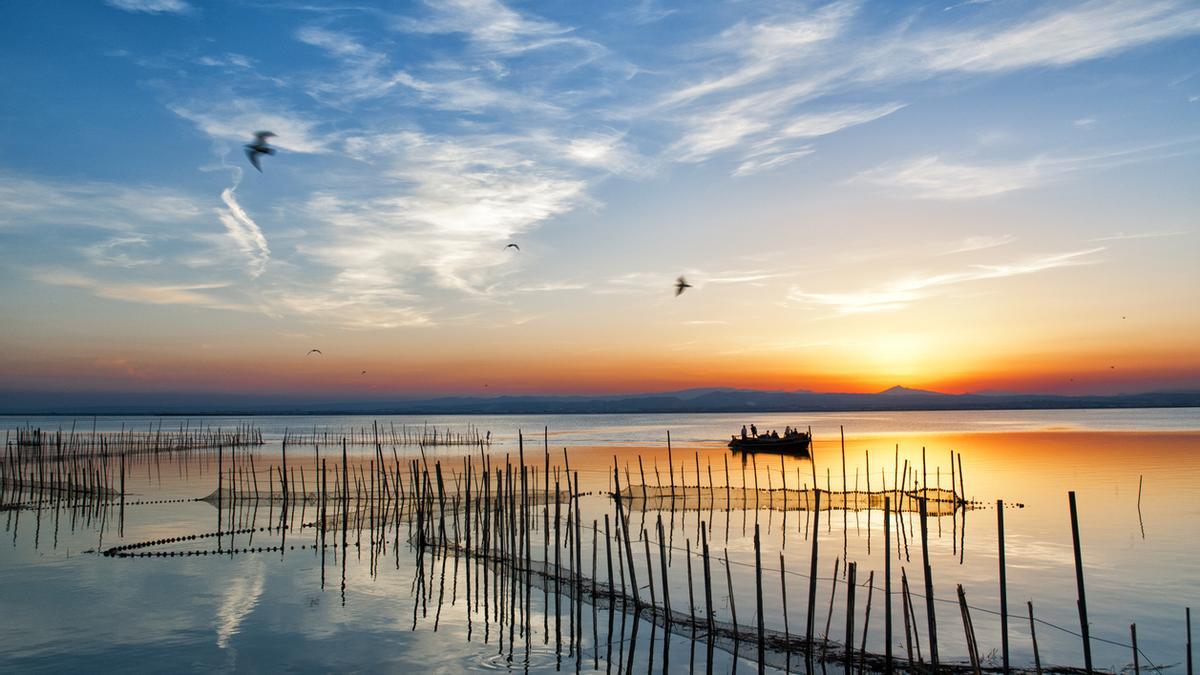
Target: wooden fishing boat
{"points": [[790, 444]]}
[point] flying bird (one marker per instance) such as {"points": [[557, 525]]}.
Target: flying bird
{"points": [[314, 351], [681, 284], [364, 372], [260, 147], [513, 246]]}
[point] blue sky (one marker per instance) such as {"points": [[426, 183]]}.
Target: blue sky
{"points": [[822, 172]]}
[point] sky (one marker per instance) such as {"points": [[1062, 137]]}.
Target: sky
{"points": [[958, 195]]}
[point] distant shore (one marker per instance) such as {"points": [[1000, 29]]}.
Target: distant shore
{"points": [[682, 402]]}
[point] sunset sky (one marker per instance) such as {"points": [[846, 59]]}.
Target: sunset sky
{"points": [[959, 195]]}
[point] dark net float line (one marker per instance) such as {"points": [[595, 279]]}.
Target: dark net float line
{"points": [[230, 551]]}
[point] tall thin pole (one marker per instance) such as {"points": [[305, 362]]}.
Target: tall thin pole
{"points": [[1083, 620], [812, 579], [929, 608], [887, 584], [1003, 584], [762, 654]]}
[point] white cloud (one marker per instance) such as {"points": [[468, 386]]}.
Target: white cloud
{"points": [[237, 119], [935, 178], [494, 27], [932, 177], [154, 294], [902, 292], [229, 60], [244, 232], [1062, 37], [26, 202], [980, 243], [822, 123], [1124, 236], [769, 72], [152, 6]]}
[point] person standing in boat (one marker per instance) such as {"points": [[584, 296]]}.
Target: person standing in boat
{"points": [[743, 432], [754, 431]]}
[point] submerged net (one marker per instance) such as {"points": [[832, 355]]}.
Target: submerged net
{"points": [[938, 501]]}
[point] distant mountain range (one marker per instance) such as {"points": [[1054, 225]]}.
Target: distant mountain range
{"points": [[715, 400]]}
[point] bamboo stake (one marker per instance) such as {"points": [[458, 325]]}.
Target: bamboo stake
{"points": [[968, 630], [1037, 659], [762, 642], [929, 608], [852, 570], [1003, 583], [1083, 619], [887, 585], [1137, 670]]}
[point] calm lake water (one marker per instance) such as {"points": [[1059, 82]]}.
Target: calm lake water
{"points": [[1136, 475]]}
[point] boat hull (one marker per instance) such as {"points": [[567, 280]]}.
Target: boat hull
{"points": [[783, 446]]}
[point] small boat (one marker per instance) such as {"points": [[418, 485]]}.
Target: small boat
{"points": [[791, 444]]}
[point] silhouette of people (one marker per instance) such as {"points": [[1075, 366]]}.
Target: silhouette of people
{"points": [[775, 435], [743, 432], [754, 431]]}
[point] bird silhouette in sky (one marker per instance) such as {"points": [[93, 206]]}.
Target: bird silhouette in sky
{"points": [[364, 372], [314, 351], [260, 147], [681, 285], [513, 246]]}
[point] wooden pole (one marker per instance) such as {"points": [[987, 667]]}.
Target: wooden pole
{"points": [[691, 594], [862, 650], [1037, 658], [1137, 670], [968, 630], [812, 581], [1188, 611], [662, 563], [732, 603], [887, 585], [1083, 620], [1003, 584], [708, 601], [762, 641], [852, 569], [637, 602], [929, 608], [783, 590], [608, 554]]}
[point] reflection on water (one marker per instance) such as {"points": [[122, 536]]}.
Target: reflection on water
{"points": [[410, 560]]}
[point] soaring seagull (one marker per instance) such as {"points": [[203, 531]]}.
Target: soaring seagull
{"points": [[260, 147], [681, 284], [314, 351], [513, 246]]}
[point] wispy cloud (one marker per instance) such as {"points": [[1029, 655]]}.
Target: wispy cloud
{"points": [[494, 27], [932, 177], [1124, 236], [154, 294], [228, 60], [237, 119], [902, 292], [761, 78], [1060, 37], [152, 6], [980, 243], [244, 232], [935, 178]]}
